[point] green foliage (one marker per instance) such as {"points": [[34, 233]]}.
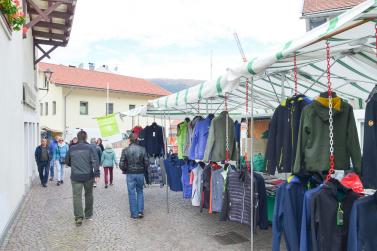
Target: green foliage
{"points": [[11, 9]]}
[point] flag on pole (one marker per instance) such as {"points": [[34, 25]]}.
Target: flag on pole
{"points": [[108, 125]]}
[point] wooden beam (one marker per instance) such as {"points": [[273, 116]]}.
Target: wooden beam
{"points": [[64, 1], [53, 26], [50, 35], [45, 54], [50, 42], [46, 13], [42, 50], [54, 14]]}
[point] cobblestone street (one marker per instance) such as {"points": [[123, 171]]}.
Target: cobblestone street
{"points": [[45, 222]]}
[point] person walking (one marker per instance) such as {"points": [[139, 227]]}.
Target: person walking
{"points": [[93, 142], [108, 160], [74, 141], [99, 143], [43, 158], [133, 162], [52, 147], [84, 163], [59, 157]]}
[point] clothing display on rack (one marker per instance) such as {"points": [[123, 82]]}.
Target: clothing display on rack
{"points": [[153, 140], [181, 137], [369, 161], [190, 131], [216, 142], [186, 184], [199, 138], [217, 188], [313, 147], [155, 172], [197, 173], [261, 219], [206, 188], [283, 134], [174, 172], [363, 225]]}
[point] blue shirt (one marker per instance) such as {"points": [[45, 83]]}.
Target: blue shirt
{"points": [[199, 138]]}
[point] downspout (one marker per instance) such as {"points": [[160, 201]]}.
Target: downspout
{"points": [[65, 112]]}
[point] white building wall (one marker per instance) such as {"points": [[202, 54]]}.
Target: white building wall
{"points": [[19, 123]]}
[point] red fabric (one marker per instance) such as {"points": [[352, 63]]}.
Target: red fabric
{"points": [[352, 180], [107, 171], [137, 130]]}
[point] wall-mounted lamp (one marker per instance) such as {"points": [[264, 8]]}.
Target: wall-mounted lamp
{"points": [[47, 75]]}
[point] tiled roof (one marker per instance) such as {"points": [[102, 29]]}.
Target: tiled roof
{"points": [[313, 6], [73, 76]]}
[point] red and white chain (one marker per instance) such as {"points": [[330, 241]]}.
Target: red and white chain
{"points": [[331, 121]]}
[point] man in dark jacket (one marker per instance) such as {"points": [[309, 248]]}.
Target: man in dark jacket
{"points": [[133, 162], [43, 158], [84, 163], [93, 142]]}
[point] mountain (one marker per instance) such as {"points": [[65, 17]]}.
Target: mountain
{"points": [[175, 85]]}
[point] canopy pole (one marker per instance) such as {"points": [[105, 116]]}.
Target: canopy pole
{"points": [[251, 151], [165, 156]]}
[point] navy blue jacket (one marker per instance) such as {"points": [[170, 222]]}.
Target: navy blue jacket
{"points": [[174, 172], [153, 140], [38, 156], [369, 160], [283, 134], [363, 225], [262, 220]]}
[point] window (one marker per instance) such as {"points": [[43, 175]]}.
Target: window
{"points": [[84, 108], [110, 108], [315, 22], [46, 108], [130, 107], [41, 109], [53, 107]]}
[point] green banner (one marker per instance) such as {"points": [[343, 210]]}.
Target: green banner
{"points": [[108, 126]]}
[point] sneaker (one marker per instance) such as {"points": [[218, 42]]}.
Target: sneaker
{"points": [[141, 215], [78, 222], [89, 218], [105, 186], [58, 184], [52, 178], [61, 182], [134, 218], [94, 185], [44, 185]]}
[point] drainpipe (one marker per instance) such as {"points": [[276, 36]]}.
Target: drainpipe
{"points": [[65, 111]]}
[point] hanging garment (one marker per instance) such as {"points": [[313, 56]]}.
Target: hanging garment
{"points": [[306, 238], [313, 143], [181, 138], [283, 134], [216, 142], [154, 171], [237, 131], [262, 219], [174, 172], [197, 172], [363, 225], [369, 161], [136, 130], [330, 215], [187, 187], [154, 140], [190, 131], [199, 138], [217, 188], [239, 197], [288, 214], [206, 188]]}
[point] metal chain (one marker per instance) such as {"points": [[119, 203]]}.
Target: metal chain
{"points": [[331, 121], [295, 72]]}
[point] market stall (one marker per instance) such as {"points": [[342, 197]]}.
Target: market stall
{"points": [[331, 69]]}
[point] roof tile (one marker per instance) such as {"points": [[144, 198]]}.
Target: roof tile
{"points": [[65, 75], [313, 6]]}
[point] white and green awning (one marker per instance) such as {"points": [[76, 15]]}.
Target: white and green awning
{"points": [[353, 71]]}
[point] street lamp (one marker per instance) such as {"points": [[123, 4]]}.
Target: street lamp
{"points": [[47, 75]]}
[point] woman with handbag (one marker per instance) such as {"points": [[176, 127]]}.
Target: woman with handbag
{"points": [[59, 157]]}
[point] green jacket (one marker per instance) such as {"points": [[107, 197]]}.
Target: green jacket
{"points": [[216, 142], [181, 138], [108, 158], [313, 147]]}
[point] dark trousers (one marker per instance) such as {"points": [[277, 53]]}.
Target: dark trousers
{"points": [[43, 170], [77, 188], [108, 170]]}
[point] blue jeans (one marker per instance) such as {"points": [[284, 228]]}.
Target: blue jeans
{"points": [[135, 185], [52, 167]]}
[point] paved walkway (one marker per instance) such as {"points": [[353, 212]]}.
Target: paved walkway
{"points": [[46, 222]]}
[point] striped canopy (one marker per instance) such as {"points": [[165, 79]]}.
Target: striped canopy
{"points": [[353, 62]]}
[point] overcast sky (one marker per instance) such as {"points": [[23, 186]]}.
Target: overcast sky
{"points": [[174, 38]]}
